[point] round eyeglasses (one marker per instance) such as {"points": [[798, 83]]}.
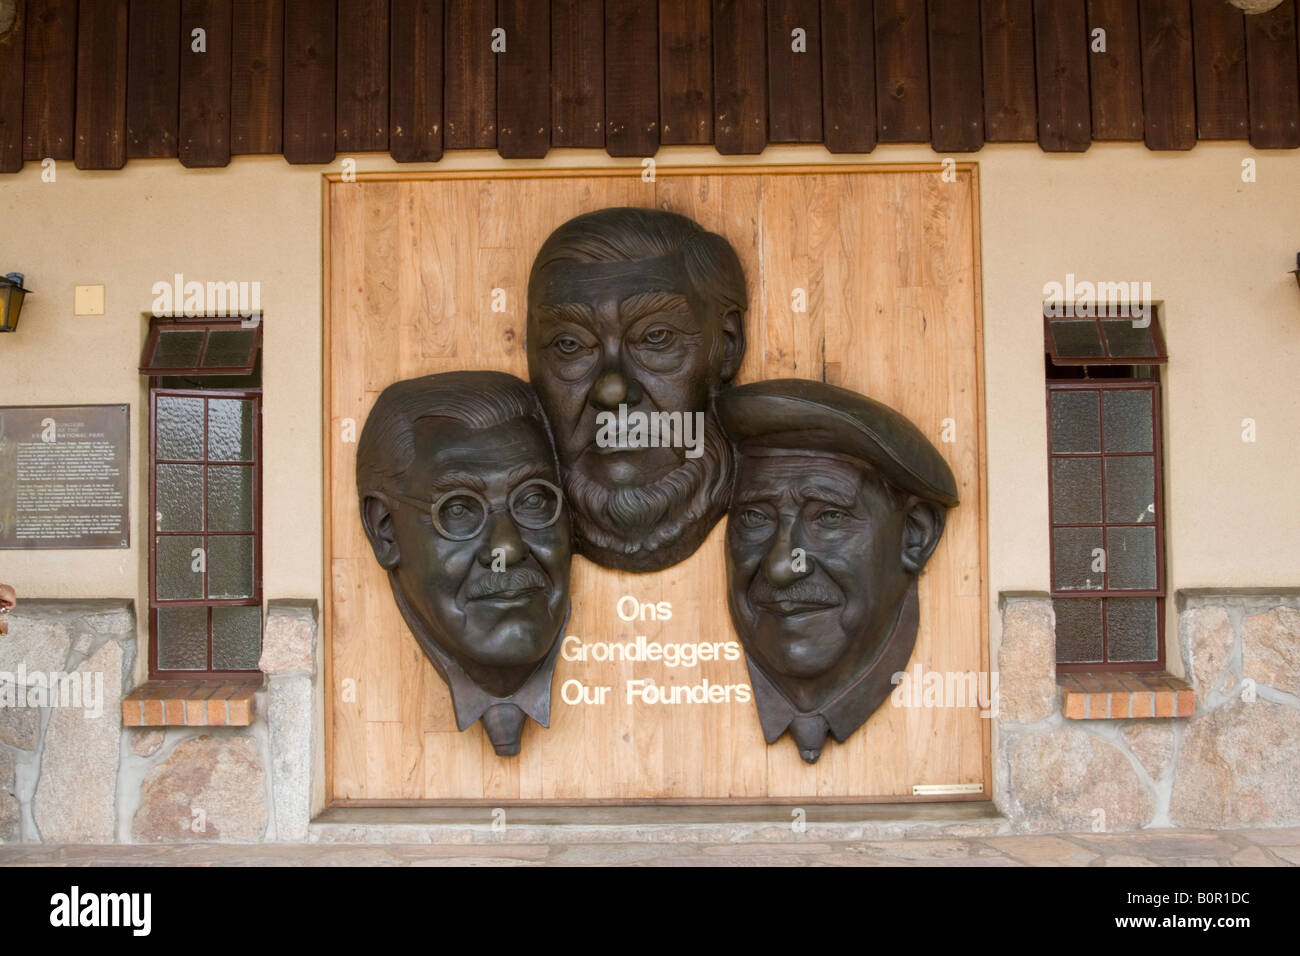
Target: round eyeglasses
{"points": [[460, 514]]}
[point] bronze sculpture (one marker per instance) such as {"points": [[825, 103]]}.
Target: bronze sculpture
{"points": [[635, 324], [839, 502], [459, 491]]}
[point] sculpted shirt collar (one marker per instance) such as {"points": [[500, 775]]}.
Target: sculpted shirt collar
{"points": [[849, 709]]}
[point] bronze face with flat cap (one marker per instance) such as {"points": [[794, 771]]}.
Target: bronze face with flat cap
{"points": [[839, 502]]}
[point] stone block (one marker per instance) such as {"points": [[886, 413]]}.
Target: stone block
{"points": [[146, 741], [1027, 661], [1152, 742], [290, 720], [20, 726], [289, 638], [1207, 644], [9, 808], [1270, 649], [208, 789]]}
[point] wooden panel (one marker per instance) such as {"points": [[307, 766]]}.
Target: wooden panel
{"points": [[1219, 52], [578, 73], [631, 77], [415, 81], [889, 263], [257, 77], [1168, 84], [739, 76], [101, 85], [1010, 100], [794, 77], [848, 77], [956, 80], [470, 75], [524, 80], [153, 78], [1061, 52], [309, 61], [902, 72], [1116, 72], [685, 72], [11, 90], [362, 123], [1274, 81], [50, 79], [205, 83]]}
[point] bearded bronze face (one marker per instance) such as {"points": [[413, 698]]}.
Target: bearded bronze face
{"points": [[635, 324], [839, 503], [460, 499]]}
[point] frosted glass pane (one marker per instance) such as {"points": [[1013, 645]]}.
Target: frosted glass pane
{"points": [[177, 579], [230, 566], [1130, 489], [1131, 554], [236, 638], [183, 638], [179, 498], [1128, 420], [230, 429], [1076, 490], [1126, 340], [1131, 632], [1075, 422], [1076, 338], [179, 427], [177, 349], [1078, 630], [230, 498], [229, 348], [1073, 558]]}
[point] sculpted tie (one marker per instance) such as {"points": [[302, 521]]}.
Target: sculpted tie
{"points": [[809, 732], [504, 723]]}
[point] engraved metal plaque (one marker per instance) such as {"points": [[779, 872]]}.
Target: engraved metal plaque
{"points": [[64, 476]]}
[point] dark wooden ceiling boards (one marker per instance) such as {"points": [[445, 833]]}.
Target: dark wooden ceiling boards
{"points": [[102, 82]]}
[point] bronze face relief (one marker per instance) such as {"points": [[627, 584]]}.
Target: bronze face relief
{"points": [[839, 502], [635, 325], [460, 498]]}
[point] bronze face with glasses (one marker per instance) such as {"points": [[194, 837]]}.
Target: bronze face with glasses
{"points": [[460, 499]]}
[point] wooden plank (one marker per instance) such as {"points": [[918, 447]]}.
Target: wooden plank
{"points": [[794, 78], [1061, 54], [956, 80], [524, 80], [204, 137], [415, 81], [309, 64], [1168, 84], [101, 85], [1219, 54], [1274, 81], [50, 79], [685, 72], [631, 77], [257, 77], [153, 52], [902, 72], [739, 77], [578, 73], [1010, 99], [1115, 72], [362, 117], [848, 77], [12, 41], [470, 75]]}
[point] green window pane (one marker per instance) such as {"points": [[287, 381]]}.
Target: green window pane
{"points": [[1131, 554], [230, 429], [1075, 422], [179, 498], [183, 638], [1130, 489], [230, 498], [230, 566], [236, 638], [177, 579], [1127, 417], [179, 424], [1131, 629], [229, 348], [1076, 338], [1073, 559], [1076, 490], [177, 349], [1078, 630]]}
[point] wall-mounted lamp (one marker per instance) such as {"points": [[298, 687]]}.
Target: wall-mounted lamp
{"points": [[12, 294]]}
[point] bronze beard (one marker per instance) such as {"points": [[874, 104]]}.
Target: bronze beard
{"points": [[659, 524]]}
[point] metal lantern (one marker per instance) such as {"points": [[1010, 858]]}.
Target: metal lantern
{"points": [[12, 294]]}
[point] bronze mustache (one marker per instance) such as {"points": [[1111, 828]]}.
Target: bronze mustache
{"points": [[801, 592], [505, 582]]}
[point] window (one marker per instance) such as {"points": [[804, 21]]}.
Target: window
{"points": [[1105, 480], [205, 554]]}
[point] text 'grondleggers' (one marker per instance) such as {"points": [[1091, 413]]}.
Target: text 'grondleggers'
{"points": [[651, 430]]}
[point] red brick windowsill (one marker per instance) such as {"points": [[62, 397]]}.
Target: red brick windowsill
{"points": [[1149, 694], [190, 703]]}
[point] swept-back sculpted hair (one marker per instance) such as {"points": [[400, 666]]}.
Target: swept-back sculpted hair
{"points": [[476, 400], [629, 233]]}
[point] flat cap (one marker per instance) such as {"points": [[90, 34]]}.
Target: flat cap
{"points": [[800, 414]]}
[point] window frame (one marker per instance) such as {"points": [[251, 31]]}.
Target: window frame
{"points": [[1152, 384], [207, 325], [256, 600]]}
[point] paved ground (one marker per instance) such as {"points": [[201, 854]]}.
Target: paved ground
{"points": [[1144, 848]]}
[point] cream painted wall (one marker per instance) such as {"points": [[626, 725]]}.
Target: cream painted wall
{"points": [[1215, 250]]}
